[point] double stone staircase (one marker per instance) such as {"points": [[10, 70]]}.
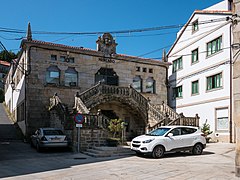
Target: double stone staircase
{"points": [[156, 115]]}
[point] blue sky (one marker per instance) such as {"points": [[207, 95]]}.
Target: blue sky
{"points": [[99, 16]]}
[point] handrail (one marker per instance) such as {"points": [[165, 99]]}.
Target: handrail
{"points": [[164, 108], [114, 90]]}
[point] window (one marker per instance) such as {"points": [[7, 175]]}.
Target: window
{"points": [[53, 57], [222, 119], [177, 64], [62, 58], [214, 46], [214, 81], [71, 77], [53, 75], [195, 26], [144, 69], [150, 71], [137, 84], [188, 130], [138, 69], [176, 132], [150, 85], [194, 56], [195, 87], [177, 92], [107, 76]]}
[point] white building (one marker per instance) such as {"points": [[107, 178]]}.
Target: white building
{"points": [[199, 77]]}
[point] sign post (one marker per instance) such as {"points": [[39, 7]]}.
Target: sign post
{"points": [[79, 119]]}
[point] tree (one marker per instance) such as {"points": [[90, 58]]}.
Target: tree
{"points": [[115, 126], [8, 56]]}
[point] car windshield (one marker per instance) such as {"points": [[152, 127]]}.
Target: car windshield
{"points": [[52, 132], [158, 132]]}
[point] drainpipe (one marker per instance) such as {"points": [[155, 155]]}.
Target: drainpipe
{"points": [[230, 120]]}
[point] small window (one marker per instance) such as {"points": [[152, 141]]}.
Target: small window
{"points": [[53, 57], [150, 71], [53, 75], [195, 26], [195, 87], [214, 46], [177, 65], [138, 68], [137, 83], [177, 92], [150, 85], [222, 119], [194, 56], [62, 58], [144, 69], [214, 81], [71, 77]]}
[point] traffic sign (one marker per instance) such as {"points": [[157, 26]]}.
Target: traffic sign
{"points": [[79, 118]]}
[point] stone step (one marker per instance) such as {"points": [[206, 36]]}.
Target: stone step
{"points": [[104, 151]]}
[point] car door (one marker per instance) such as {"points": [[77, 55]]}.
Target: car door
{"points": [[188, 136], [174, 141]]}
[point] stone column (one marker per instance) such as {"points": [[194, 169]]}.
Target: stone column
{"points": [[62, 74]]}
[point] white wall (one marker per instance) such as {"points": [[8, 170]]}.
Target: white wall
{"points": [[204, 103]]}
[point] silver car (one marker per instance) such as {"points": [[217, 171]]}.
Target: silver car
{"points": [[47, 138]]}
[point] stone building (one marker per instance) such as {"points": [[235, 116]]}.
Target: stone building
{"points": [[49, 81], [236, 80]]}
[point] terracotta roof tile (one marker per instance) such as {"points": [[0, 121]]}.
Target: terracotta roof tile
{"points": [[5, 63]]}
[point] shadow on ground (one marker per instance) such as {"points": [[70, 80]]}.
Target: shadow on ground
{"points": [[18, 158]]}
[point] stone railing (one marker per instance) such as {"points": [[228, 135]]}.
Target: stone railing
{"points": [[186, 121], [79, 106], [96, 121], [165, 109], [155, 114], [122, 92], [56, 102]]}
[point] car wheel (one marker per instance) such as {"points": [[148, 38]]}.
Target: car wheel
{"points": [[197, 149], [39, 149], [158, 152]]}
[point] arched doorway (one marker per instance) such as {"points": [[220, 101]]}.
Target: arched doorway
{"points": [[107, 76]]}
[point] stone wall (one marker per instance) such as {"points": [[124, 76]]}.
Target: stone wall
{"points": [[38, 92], [90, 138]]}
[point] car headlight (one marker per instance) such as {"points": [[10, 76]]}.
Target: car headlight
{"points": [[148, 141]]}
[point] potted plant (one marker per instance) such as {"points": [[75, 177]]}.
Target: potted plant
{"points": [[206, 131]]}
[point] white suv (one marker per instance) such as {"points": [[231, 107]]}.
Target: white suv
{"points": [[170, 138]]}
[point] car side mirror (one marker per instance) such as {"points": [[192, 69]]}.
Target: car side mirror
{"points": [[170, 135]]}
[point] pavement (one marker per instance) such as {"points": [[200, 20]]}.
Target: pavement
{"points": [[216, 162]]}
